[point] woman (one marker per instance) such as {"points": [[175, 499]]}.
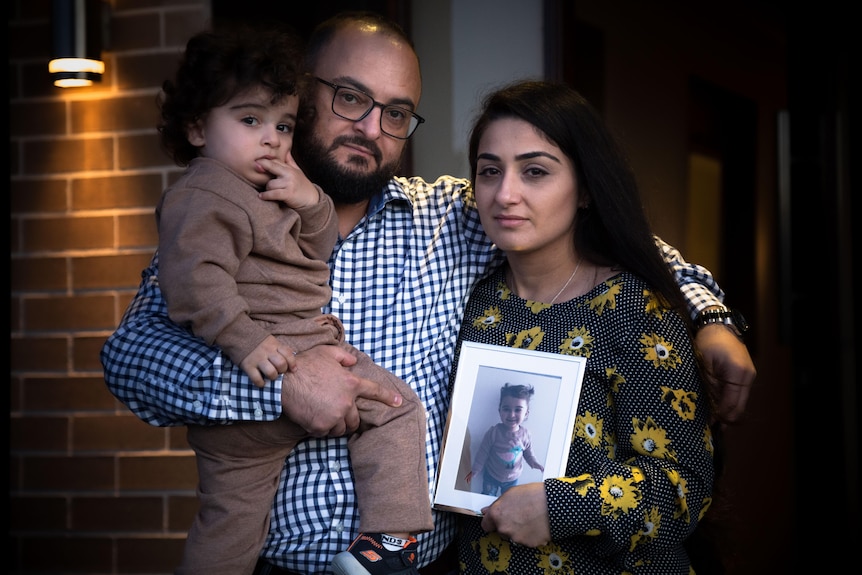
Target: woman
{"points": [[583, 276]]}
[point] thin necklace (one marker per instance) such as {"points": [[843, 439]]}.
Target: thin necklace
{"points": [[571, 277]]}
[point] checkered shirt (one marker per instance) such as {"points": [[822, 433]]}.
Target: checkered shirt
{"points": [[698, 287]]}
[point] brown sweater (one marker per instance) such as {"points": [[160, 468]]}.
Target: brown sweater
{"points": [[235, 268]]}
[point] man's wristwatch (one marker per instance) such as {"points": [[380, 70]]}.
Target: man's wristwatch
{"points": [[732, 318]]}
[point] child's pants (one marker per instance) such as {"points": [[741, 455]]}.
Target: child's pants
{"points": [[239, 466]]}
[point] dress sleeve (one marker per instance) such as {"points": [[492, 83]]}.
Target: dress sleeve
{"points": [[641, 468], [168, 377]]}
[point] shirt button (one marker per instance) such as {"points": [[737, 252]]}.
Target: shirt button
{"points": [[335, 466], [339, 527], [258, 412], [198, 404], [341, 299]]}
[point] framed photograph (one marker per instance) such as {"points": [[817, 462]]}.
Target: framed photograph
{"points": [[511, 421]]}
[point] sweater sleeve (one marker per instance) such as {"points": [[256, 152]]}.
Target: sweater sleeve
{"points": [[202, 240], [168, 378], [529, 456], [319, 228], [482, 454]]}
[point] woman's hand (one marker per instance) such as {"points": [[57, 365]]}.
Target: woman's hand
{"points": [[521, 515]]}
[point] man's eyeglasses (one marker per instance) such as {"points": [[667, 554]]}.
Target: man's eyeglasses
{"points": [[352, 104]]}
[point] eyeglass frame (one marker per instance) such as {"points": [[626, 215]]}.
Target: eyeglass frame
{"points": [[374, 104]]}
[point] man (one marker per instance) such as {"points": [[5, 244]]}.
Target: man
{"points": [[408, 254]]}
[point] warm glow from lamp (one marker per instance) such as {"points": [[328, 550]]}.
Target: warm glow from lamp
{"points": [[77, 27], [75, 72]]}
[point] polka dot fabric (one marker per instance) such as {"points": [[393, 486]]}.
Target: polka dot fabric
{"points": [[640, 468]]}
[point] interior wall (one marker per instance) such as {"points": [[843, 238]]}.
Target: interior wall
{"points": [[466, 48]]}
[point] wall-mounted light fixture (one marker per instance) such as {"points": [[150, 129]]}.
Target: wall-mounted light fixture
{"points": [[78, 29]]}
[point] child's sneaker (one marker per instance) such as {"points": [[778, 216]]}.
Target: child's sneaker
{"points": [[378, 554]]}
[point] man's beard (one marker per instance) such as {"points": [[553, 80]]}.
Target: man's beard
{"points": [[343, 185]]}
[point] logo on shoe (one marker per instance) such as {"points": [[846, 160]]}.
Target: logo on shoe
{"points": [[389, 540], [371, 555]]}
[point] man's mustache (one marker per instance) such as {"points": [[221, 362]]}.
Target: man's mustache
{"points": [[358, 141]]}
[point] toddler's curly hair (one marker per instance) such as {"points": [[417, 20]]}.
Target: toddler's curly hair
{"points": [[216, 66]]}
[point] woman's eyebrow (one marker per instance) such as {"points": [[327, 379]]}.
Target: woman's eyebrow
{"points": [[531, 155]]}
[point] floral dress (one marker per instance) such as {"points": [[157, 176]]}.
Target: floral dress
{"points": [[640, 468]]}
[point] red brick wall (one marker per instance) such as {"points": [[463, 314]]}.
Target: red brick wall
{"points": [[92, 489]]}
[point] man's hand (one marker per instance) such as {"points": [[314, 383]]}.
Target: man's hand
{"points": [[521, 515], [730, 369], [267, 361], [320, 394]]}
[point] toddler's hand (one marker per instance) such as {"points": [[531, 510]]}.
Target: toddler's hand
{"points": [[289, 184], [268, 360]]}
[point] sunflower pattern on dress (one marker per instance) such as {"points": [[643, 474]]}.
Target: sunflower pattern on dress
{"points": [[640, 469]]}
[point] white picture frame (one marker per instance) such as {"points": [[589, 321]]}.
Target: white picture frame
{"points": [[482, 370]]}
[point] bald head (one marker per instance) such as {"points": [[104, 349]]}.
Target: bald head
{"points": [[365, 22], [352, 159]]}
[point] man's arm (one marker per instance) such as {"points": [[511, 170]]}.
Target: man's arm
{"points": [[168, 377], [729, 366], [730, 369], [699, 288]]}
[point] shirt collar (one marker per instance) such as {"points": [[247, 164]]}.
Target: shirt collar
{"points": [[393, 192]]}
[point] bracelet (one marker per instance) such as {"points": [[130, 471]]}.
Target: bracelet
{"points": [[732, 318]]}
